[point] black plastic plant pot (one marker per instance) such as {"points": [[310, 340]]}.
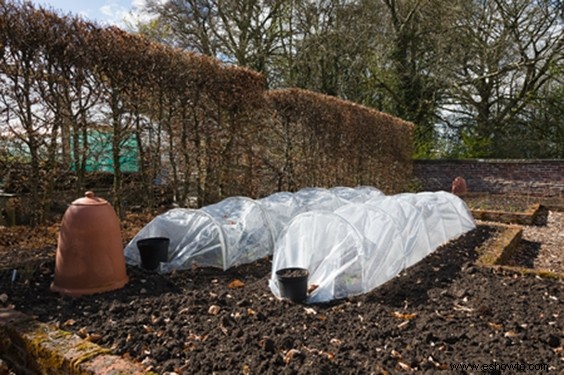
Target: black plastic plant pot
{"points": [[293, 283], [153, 251]]}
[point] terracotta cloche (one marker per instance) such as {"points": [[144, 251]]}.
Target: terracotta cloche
{"points": [[89, 255], [459, 186]]}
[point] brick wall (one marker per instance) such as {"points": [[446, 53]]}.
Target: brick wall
{"points": [[534, 177]]}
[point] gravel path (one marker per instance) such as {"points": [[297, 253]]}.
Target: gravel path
{"points": [[542, 247]]}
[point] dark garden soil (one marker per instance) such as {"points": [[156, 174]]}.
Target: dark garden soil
{"points": [[442, 312]]}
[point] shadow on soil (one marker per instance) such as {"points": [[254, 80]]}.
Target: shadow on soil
{"points": [[525, 255], [417, 288]]}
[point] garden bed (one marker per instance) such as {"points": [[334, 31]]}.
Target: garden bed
{"points": [[441, 312], [512, 208], [541, 246], [508, 209], [530, 216]]}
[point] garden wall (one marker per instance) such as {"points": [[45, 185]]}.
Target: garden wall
{"points": [[533, 177]]}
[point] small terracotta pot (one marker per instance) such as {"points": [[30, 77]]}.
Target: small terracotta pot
{"points": [[459, 186], [89, 255]]}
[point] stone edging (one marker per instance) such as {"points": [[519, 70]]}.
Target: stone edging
{"points": [[34, 347]]}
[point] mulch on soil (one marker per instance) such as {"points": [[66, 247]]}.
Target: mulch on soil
{"points": [[440, 312]]}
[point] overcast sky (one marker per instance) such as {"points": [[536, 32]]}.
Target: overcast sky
{"points": [[105, 12]]}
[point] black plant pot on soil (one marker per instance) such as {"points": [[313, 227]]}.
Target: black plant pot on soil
{"points": [[153, 251], [293, 283]]}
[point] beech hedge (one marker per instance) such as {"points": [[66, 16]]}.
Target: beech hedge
{"points": [[203, 128]]}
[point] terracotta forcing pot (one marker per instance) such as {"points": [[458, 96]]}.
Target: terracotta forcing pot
{"points": [[459, 186], [89, 255]]}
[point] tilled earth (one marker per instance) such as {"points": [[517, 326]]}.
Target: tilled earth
{"points": [[442, 312]]}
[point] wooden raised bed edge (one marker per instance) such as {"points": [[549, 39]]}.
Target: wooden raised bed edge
{"points": [[496, 252], [501, 247], [524, 218]]}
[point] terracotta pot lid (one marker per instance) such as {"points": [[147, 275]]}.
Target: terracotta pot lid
{"points": [[90, 199]]}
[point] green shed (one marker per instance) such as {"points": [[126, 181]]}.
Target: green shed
{"points": [[99, 155]]}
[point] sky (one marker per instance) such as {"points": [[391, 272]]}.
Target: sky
{"points": [[105, 12]]}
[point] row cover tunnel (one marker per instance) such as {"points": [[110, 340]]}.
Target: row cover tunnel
{"points": [[351, 240]]}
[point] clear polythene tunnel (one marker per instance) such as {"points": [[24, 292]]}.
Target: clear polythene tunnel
{"points": [[351, 240], [359, 246], [232, 232], [236, 230]]}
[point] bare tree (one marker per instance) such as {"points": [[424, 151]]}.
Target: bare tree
{"points": [[507, 51], [247, 33]]}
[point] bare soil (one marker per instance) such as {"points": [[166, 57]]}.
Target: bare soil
{"points": [[441, 312]]}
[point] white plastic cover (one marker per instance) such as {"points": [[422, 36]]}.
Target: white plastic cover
{"points": [[310, 199], [445, 215], [354, 249], [350, 239], [359, 194], [280, 208], [410, 221], [384, 246], [246, 229], [329, 247], [396, 232], [194, 237], [232, 232]]}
